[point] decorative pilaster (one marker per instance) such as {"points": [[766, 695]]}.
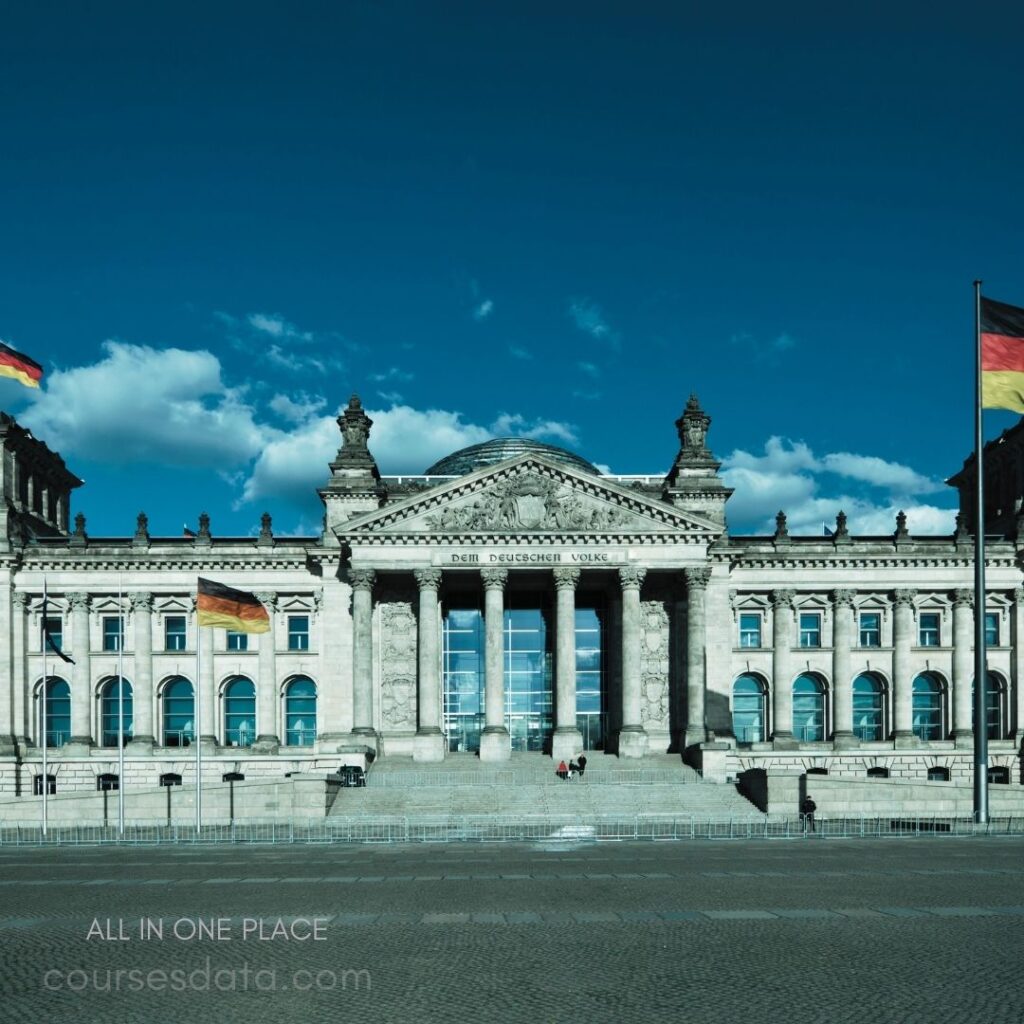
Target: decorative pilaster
{"points": [[81, 676], [782, 671], [429, 742], [902, 680], [362, 581], [211, 723], [567, 741], [267, 739], [142, 741], [963, 667], [495, 744], [843, 633], [697, 580], [632, 737], [1017, 665], [8, 612]]}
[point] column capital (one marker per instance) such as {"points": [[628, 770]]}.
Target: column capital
{"points": [[78, 601], [427, 579], [904, 598], [267, 597], [963, 597], [566, 578], [494, 579], [362, 579], [631, 576], [141, 601], [697, 577], [20, 598], [1018, 595], [782, 599], [843, 598]]}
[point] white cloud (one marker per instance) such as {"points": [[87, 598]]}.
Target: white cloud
{"points": [[299, 409], [763, 350], [392, 373], [589, 368], [391, 396], [296, 363], [277, 327], [788, 476], [514, 425], [139, 404], [519, 353], [589, 318], [587, 396], [483, 310]]}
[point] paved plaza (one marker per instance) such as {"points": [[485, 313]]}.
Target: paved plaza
{"points": [[902, 930]]}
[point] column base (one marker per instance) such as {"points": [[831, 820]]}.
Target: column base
{"points": [[8, 746], [784, 741], [266, 744], [845, 741], [963, 739], [904, 739], [365, 738], [329, 742], [141, 745], [208, 744], [694, 735], [428, 745], [632, 741], [566, 743], [495, 744], [78, 746]]}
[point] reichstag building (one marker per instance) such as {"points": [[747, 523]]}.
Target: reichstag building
{"points": [[512, 598]]}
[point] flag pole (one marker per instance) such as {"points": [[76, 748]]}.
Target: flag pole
{"points": [[196, 733], [120, 709], [45, 725], [980, 661]]}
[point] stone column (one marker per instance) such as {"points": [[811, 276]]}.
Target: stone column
{"points": [[1016, 702], [902, 680], [21, 728], [142, 684], [334, 687], [495, 743], [963, 667], [81, 676], [782, 670], [211, 721], [7, 614], [361, 581], [632, 738], [843, 634], [567, 741], [696, 637], [429, 742], [267, 739]]}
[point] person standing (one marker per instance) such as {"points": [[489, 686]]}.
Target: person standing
{"points": [[807, 809]]}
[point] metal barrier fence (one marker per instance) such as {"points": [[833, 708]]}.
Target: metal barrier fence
{"points": [[498, 829], [518, 777]]}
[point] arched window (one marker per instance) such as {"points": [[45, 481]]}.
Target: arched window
{"points": [[108, 782], [999, 774], [868, 707], [179, 712], [112, 694], [927, 708], [240, 712], [808, 708], [51, 784], [58, 712], [748, 705], [878, 773], [170, 779], [995, 707], [300, 712], [937, 774]]}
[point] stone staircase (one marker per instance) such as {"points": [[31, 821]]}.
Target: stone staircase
{"points": [[527, 785]]}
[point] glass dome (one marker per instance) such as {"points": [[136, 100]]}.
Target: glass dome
{"points": [[500, 449]]}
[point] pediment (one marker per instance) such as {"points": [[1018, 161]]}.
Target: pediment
{"points": [[528, 496]]}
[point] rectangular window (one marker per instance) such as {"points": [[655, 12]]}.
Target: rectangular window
{"points": [[298, 632], [54, 627], [113, 630], [991, 629], [871, 629], [928, 629], [810, 629], [750, 629], [237, 641], [174, 633]]}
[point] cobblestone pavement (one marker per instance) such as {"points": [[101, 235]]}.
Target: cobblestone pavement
{"points": [[910, 930]]}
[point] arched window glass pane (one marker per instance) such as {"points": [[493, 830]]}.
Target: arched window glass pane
{"points": [[58, 712], [748, 700], [240, 712], [179, 713], [300, 713], [993, 707], [808, 709], [110, 701], [926, 708], [867, 707]]}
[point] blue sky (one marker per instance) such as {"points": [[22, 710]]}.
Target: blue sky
{"points": [[217, 221]]}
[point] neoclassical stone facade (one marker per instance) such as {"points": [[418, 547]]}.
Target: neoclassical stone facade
{"points": [[511, 598]]}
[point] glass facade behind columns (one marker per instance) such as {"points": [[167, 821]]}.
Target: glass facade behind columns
{"points": [[529, 706], [463, 659]]}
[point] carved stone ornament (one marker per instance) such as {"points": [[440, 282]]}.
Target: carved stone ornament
{"points": [[1018, 596], [20, 598], [963, 597], [843, 598], [80, 525], [142, 527], [783, 599], [140, 601], [361, 579], [78, 601], [962, 534], [841, 531], [781, 529], [268, 598], [204, 526], [566, 579], [631, 576], [266, 528], [494, 579], [427, 579], [697, 578], [901, 526], [654, 663], [398, 665], [692, 428], [904, 598], [528, 502]]}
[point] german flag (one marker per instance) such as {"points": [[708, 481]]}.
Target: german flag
{"points": [[236, 610], [19, 367], [1002, 356]]}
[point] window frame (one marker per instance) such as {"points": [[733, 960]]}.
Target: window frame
{"points": [[863, 630], [234, 640], [925, 633], [809, 632], [992, 637], [168, 635], [111, 642], [298, 640], [746, 632]]}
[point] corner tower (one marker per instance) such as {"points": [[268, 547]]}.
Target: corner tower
{"points": [[693, 483]]}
